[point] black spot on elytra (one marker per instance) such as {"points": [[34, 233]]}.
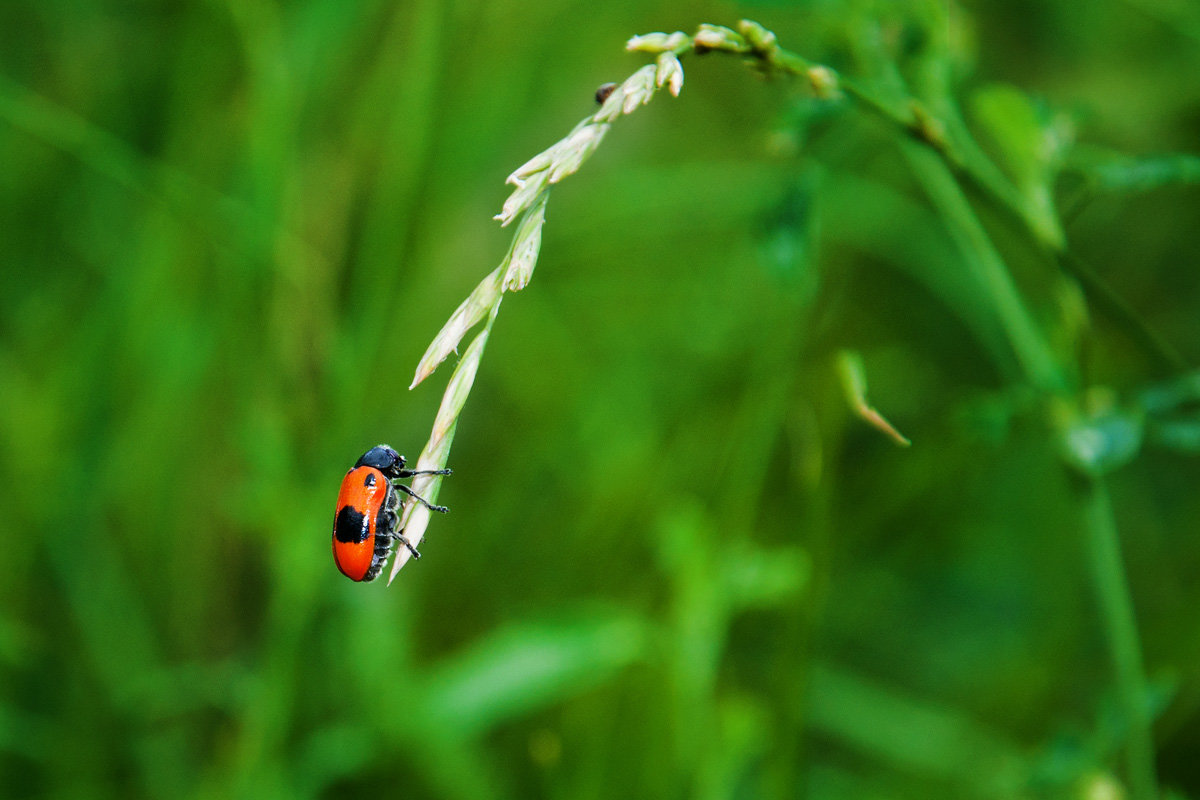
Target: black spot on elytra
{"points": [[350, 527], [369, 480]]}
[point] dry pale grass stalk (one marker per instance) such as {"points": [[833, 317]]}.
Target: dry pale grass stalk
{"points": [[527, 206]]}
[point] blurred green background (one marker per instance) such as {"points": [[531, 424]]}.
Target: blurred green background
{"points": [[677, 564]]}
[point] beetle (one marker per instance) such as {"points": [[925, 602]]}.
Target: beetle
{"points": [[366, 520]]}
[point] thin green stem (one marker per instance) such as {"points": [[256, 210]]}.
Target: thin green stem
{"points": [[1033, 351], [917, 122], [1120, 628], [1164, 354]]}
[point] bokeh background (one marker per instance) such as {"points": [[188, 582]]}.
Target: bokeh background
{"points": [[677, 563]]}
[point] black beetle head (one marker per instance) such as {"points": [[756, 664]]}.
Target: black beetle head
{"points": [[382, 458]]}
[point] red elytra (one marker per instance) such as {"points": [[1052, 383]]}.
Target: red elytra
{"points": [[362, 520]]}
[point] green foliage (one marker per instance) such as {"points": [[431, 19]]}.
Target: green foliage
{"points": [[678, 563]]}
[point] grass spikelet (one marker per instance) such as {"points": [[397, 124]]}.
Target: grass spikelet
{"points": [[526, 203]]}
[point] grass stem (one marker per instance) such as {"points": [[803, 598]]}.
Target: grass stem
{"points": [[1120, 628], [1032, 350], [919, 124]]}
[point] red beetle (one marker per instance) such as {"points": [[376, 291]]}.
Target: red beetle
{"points": [[364, 527]]}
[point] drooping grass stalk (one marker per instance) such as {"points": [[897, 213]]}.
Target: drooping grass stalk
{"points": [[953, 171], [534, 179], [527, 203], [1116, 607]]}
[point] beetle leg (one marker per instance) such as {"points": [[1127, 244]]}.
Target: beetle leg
{"points": [[408, 544], [421, 500], [408, 473]]}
